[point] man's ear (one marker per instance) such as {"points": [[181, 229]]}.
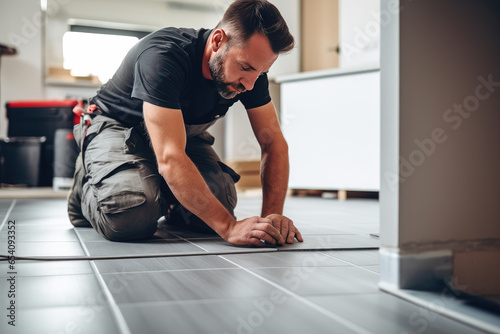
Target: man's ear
{"points": [[219, 37]]}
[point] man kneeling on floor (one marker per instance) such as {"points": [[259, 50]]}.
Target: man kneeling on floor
{"points": [[147, 154]]}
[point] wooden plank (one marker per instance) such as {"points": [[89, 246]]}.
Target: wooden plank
{"points": [[342, 195]]}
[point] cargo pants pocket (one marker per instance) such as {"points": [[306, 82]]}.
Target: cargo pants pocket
{"points": [[119, 188]]}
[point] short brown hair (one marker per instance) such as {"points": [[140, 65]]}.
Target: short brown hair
{"points": [[244, 18]]}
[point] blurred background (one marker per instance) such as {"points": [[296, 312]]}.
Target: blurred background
{"points": [[67, 48]]}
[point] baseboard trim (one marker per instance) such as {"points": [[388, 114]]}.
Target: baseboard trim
{"points": [[418, 271]]}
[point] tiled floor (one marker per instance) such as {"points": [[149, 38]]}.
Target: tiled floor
{"points": [[328, 284]]}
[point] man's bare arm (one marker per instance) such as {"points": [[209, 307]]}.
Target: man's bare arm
{"points": [[274, 168], [168, 137]]}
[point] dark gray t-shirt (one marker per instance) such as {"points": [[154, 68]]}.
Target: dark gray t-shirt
{"points": [[164, 69]]}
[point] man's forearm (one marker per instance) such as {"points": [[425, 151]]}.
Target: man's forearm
{"points": [[190, 189], [274, 178]]}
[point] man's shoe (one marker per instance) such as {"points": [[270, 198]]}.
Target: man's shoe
{"points": [[75, 197]]}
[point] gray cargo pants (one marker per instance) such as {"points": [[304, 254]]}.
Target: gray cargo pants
{"points": [[123, 195]]}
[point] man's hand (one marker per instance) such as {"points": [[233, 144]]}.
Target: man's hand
{"points": [[252, 231], [286, 228]]}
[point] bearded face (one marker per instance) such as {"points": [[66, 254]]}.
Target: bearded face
{"points": [[216, 66]]}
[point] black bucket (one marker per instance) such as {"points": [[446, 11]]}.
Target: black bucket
{"points": [[65, 153], [21, 160]]}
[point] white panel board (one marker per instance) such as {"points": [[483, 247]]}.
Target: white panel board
{"points": [[332, 125]]}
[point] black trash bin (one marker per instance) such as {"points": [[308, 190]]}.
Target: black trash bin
{"points": [[65, 153], [37, 118], [21, 160]]}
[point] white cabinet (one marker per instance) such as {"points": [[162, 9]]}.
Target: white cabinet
{"points": [[331, 121]]}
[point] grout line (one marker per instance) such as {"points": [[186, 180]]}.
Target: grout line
{"points": [[192, 243], [302, 299], [309, 303], [115, 310], [8, 213], [166, 271], [355, 265]]}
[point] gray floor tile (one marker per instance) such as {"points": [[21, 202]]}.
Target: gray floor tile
{"points": [[185, 285], [322, 212], [284, 260], [88, 234], [44, 225], [322, 280], [383, 313], [446, 300], [50, 268], [360, 228], [39, 208], [5, 204], [311, 242], [59, 248], [162, 264], [331, 218], [207, 293], [218, 245], [244, 315], [37, 220], [307, 229], [40, 235], [333, 241], [50, 291], [38, 224], [76, 319], [358, 257], [106, 247]]}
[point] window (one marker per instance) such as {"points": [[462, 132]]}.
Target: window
{"points": [[98, 54]]}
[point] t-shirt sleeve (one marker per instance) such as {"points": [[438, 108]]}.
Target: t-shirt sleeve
{"points": [[259, 95], [160, 75]]}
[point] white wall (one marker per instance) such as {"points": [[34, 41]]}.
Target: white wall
{"points": [[21, 74]]}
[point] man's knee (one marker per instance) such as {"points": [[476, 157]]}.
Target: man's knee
{"points": [[128, 217], [135, 224], [127, 204]]}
